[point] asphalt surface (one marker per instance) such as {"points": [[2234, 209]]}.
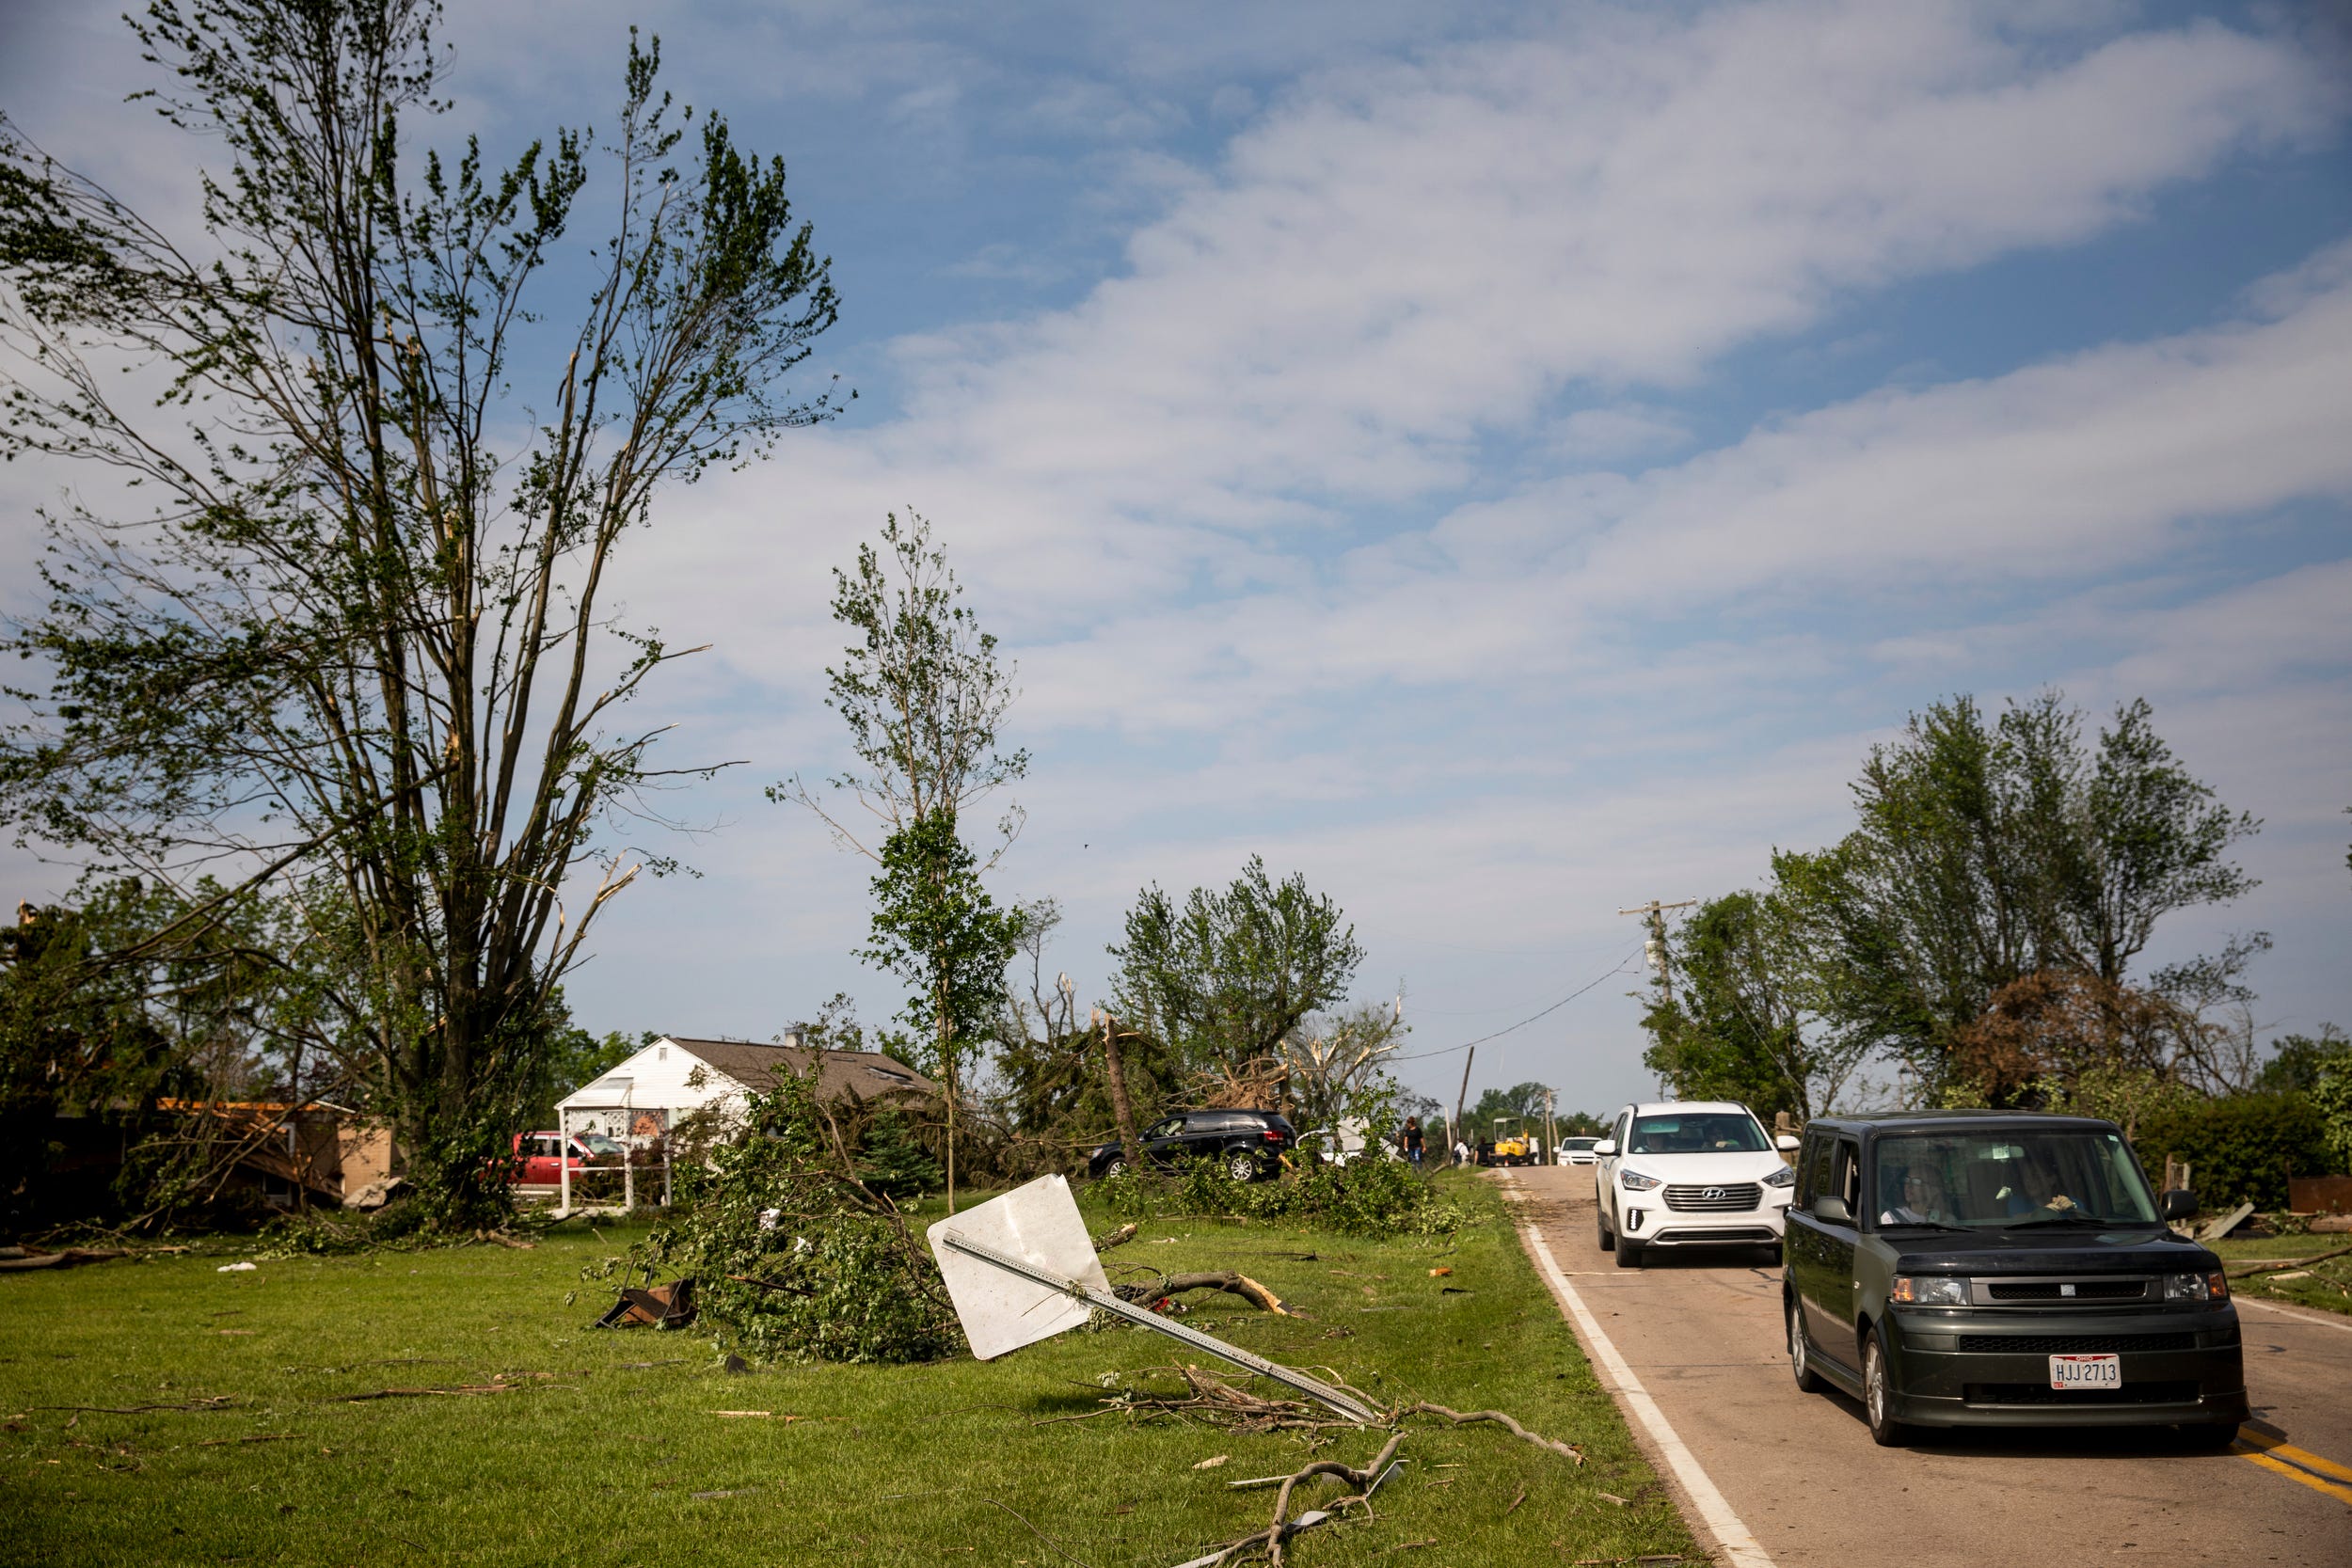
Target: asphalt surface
{"points": [[1701, 1333]]}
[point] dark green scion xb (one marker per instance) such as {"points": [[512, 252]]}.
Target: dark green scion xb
{"points": [[1984, 1268]]}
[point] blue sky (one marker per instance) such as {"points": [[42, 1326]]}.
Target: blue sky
{"points": [[1507, 464]]}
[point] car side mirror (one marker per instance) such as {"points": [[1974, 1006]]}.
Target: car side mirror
{"points": [[2179, 1204], [1831, 1210], [1606, 1146], [1788, 1142]]}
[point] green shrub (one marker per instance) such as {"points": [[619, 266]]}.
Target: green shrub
{"points": [[1364, 1198], [2331, 1096], [2239, 1149], [794, 1258]]}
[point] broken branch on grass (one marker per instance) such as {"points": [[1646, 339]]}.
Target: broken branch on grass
{"points": [[1565, 1451], [1270, 1540], [1214, 1280], [2274, 1265], [218, 1401]]}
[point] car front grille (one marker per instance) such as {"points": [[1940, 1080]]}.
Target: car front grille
{"points": [[1731, 1197], [2166, 1391], [1714, 1235], [2067, 1290], [2073, 1344]]}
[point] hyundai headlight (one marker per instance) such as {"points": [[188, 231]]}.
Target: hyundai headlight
{"points": [[1928, 1291], [1635, 1181], [2197, 1287], [1781, 1177]]}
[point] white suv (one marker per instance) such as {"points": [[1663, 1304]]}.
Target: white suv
{"points": [[1694, 1174]]}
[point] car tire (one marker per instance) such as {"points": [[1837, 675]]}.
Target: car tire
{"points": [[1117, 1168], [1878, 1398], [1607, 1237], [1800, 1356], [1628, 1253], [1241, 1166]]}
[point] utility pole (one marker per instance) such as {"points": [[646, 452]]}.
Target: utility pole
{"points": [[1654, 949], [1122, 1110], [1551, 1143], [1458, 1140]]}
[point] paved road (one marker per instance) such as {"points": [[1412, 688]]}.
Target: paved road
{"points": [[1701, 1334]]}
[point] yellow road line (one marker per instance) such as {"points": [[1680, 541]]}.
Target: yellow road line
{"points": [[2301, 1457], [2326, 1488]]}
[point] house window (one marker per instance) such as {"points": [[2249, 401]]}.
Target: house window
{"points": [[661, 1053]]}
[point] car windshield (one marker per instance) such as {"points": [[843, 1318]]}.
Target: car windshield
{"points": [[596, 1143], [2010, 1177], [1697, 1132], [1578, 1143]]}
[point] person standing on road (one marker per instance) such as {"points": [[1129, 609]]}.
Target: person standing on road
{"points": [[1461, 1151], [1413, 1139]]}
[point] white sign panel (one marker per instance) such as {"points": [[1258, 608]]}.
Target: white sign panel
{"points": [[1040, 1225]]}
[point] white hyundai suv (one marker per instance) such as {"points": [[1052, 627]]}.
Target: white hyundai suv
{"points": [[1690, 1174]]}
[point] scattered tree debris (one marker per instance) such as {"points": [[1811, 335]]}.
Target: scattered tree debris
{"points": [[2271, 1265], [1120, 1237], [1158, 1296], [1271, 1539], [1566, 1450], [66, 1260], [496, 1386], [1213, 1462], [217, 1402]]}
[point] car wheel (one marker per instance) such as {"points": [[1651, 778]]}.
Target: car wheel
{"points": [[1878, 1397], [1628, 1253], [1800, 1358], [1607, 1237], [1117, 1168], [1241, 1166]]}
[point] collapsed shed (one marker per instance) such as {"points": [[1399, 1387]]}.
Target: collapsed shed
{"points": [[642, 1102]]}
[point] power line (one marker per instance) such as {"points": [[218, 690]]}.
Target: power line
{"points": [[1617, 969]]}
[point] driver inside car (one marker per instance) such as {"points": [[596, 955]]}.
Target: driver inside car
{"points": [[1919, 1199]]}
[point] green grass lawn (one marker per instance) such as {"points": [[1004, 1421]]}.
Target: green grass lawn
{"points": [[599, 1454], [2327, 1286]]}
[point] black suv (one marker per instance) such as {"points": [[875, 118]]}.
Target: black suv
{"points": [[1248, 1144], [1981, 1268]]}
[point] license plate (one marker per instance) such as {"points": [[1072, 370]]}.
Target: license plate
{"points": [[2085, 1371]]}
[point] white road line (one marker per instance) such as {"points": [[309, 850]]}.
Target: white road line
{"points": [[1740, 1546], [2343, 1324]]}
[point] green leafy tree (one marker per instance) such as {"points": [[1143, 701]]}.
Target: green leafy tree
{"points": [[363, 638], [923, 695], [921, 691], [1988, 852], [1225, 978], [1745, 1018], [938, 930]]}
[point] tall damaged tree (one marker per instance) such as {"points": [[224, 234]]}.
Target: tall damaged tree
{"points": [[923, 694], [347, 631]]}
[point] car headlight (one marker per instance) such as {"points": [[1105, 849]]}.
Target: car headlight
{"points": [[1928, 1291], [1635, 1181], [1781, 1176], [2197, 1287]]}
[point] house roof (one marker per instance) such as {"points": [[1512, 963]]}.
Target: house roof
{"points": [[867, 1074]]}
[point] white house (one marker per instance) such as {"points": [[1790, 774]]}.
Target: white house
{"points": [[639, 1101]]}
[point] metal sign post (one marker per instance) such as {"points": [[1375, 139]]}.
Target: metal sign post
{"points": [[1034, 1234]]}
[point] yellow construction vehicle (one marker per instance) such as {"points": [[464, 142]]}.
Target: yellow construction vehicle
{"points": [[1512, 1146]]}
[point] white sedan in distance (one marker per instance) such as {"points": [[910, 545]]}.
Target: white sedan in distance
{"points": [[1691, 1173]]}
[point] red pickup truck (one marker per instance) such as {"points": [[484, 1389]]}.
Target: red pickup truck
{"points": [[536, 1156]]}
